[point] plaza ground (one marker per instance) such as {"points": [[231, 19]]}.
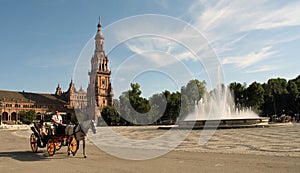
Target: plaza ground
{"points": [[273, 149]]}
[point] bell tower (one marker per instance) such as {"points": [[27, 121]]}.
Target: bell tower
{"points": [[100, 92]]}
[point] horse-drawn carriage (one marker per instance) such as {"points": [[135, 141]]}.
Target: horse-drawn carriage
{"points": [[46, 134]]}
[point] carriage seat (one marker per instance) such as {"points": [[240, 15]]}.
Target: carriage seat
{"points": [[60, 129], [56, 129]]}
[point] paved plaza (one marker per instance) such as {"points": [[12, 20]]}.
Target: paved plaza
{"points": [[278, 141], [274, 141], [269, 149]]}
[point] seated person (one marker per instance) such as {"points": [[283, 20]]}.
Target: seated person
{"points": [[56, 118], [57, 122], [43, 129]]}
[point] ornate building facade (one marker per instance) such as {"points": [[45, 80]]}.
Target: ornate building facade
{"points": [[12, 102], [99, 93]]}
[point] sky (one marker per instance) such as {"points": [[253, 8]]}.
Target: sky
{"points": [[161, 44]]}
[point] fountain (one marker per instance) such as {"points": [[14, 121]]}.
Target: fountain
{"points": [[218, 110]]}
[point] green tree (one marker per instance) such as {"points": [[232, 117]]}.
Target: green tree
{"points": [[239, 93], [297, 81], [48, 117], [27, 117], [140, 104], [255, 95], [195, 90], [133, 107], [191, 95], [292, 98], [117, 104], [158, 104], [275, 95], [110, 115], [125, 107], [175, 106]]}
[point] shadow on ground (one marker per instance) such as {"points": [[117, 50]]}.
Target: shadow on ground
{"points": [[24, 155], [29, 156]]}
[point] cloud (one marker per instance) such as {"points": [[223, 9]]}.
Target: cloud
{"points": [[263, 68], [159, 47], [233, 16], [251, 58], [242, 32], [247, 36]]}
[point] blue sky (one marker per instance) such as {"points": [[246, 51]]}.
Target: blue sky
{"points": [[42, 42]]}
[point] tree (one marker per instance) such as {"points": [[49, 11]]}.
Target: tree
{"points": [[125, 107], [187, 106], [173, 107], [239, 93], [27, 117], [297, 81], [168, 109], [255, 95], [48, 117], [140, 104], [191, 95], [133, 107], [158, 104], [194, 90], [110, 115], [268, 105], [117, 104], [275, 95], [292, 98]]}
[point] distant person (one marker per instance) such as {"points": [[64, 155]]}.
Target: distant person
{"points": [[56, 118]]}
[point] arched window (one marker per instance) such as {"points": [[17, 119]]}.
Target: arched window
{"points": [[4, 116], [13, 116]]}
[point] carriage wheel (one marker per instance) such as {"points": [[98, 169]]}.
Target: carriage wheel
{"points": [[57, 145], [73, 147], [51, 147], [33, 143]]}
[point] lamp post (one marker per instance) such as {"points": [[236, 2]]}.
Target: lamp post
{"points": [[1, 113], [17, 116]]}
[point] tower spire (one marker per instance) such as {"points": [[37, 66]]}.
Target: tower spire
{"points": [[99, 24], [58, 90], [99, 40], [99, 89]]}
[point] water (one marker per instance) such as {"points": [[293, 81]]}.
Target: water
{"points": [[219, 104]]}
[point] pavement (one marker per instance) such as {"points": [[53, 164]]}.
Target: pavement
{"points": [[14, 127], [271, 149]]}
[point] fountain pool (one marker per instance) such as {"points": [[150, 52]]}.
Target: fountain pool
{"points": [[218, 110]]}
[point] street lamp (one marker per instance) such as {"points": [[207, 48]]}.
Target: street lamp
{"points": [[17, 116]]}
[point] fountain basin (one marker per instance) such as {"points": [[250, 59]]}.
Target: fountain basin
{"points": [[225, 123]]}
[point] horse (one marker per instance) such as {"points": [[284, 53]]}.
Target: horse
{"points": [[79, 131]]}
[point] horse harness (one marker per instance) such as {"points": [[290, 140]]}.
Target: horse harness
{"points": [[80, 129]]}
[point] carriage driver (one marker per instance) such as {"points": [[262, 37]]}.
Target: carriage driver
{"points": [[57, 120]]}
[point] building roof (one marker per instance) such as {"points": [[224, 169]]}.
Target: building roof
{"points": [[24, 97]]}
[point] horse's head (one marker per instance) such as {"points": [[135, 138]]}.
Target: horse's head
{"points": [[93, 126]]}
